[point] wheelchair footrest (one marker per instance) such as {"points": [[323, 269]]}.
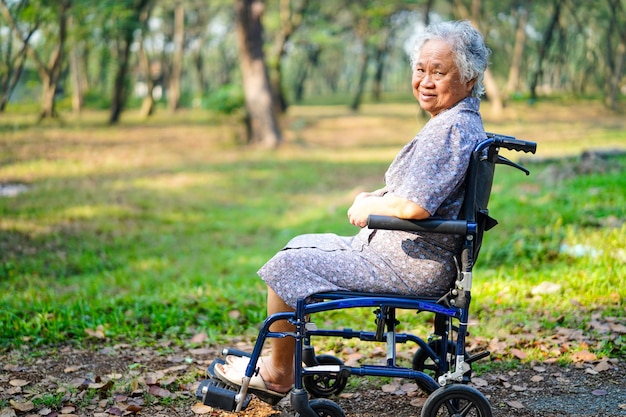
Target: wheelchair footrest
{"points": [[215, 393]]}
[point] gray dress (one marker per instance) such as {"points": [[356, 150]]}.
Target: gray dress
{"points": [[430, 171]]}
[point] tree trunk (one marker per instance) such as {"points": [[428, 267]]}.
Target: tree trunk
{"points": [[76, 75], [358, 97], [264, 129], [14, 69], [547, 39], [51, 73], [512, 85], [120, 87], [615, 59], [118, 100], [378, 74], [290, 20], [174, 90], [147, 105]]}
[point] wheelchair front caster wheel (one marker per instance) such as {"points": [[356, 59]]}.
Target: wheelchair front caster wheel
{"points": [[325, 385], [325, 408], [456, 400]]}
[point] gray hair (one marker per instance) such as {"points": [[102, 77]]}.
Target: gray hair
{"points": [[471, 55]]}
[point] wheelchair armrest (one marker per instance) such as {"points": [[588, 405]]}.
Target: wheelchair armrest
{"points": [[453, 227]]}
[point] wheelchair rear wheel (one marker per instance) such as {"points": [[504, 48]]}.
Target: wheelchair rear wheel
{"points": [[456, 400], [325, 385], [424, 363], [325, 408]]}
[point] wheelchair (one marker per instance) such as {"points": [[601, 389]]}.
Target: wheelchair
{"points": [[440, 367]]}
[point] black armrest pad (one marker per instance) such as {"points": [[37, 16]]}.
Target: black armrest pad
{"points": [[453, 227]]}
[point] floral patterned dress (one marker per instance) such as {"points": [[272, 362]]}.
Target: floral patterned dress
{"points": [[430, 171]]}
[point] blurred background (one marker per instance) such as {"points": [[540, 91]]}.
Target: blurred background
{"points": [[72, 55]]}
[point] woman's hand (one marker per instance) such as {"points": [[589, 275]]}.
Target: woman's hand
{"points": [[359, 211], [387, 205]]}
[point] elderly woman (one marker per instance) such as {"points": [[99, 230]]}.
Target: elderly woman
{"points": [[425, 179]]}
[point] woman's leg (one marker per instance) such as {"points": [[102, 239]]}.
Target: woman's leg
{"points": [[277, 372]]}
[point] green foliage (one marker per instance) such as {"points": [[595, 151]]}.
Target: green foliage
{"points": [[53, 401], [225, 100]]}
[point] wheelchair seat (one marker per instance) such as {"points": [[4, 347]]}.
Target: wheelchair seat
{"points": [[441, 367]]}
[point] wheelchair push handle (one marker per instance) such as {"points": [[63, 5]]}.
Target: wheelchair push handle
{"points": [[509, 142]]}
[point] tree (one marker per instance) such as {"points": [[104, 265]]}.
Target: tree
{"points": [[50, 71], [513, 81], [543, 49], [174, 88], [615, 52], [291, 17], [127, 16], [262, 123], [145, 66], [12, 64]]}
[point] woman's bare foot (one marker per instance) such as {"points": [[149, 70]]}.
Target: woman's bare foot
{"points": [[279, 380]]}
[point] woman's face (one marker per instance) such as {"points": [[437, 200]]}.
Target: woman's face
{"points": [[436, 79]]}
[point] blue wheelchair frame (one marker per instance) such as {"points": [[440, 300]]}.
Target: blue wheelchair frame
{"points": [[451, 367]]}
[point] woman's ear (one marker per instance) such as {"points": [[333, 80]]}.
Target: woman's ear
{"points": [[470, 85]]}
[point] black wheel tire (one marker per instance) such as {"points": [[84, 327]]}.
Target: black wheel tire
{"points": [[325, 408], [456, 400], [323, 386], [424, 363]]}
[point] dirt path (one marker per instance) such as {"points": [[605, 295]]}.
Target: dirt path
{"points": [[161, 381]]}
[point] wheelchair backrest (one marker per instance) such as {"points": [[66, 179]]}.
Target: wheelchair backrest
{"points": [[478, 184]]}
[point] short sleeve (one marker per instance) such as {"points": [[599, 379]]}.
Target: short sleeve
{"points": [[432, 167]]}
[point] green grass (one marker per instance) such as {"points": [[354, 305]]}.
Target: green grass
{"points": [[155, 231]]}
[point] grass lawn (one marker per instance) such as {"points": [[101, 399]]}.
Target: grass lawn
{"points": [[155, 230]]}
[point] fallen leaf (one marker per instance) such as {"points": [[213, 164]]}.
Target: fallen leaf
{"points": [[115, 411], [515, 404], [518, 388], [134, 408], [409, 387], [602, 366], [418, 402], [599, 392], [159, 392], [584, 356], [480, 382], [537, 378], [18, 382], [7, 412], [98, 333], [23, 407], [389, 388], [518, 353], [199, 338], [201, 351], [199, 408], [617, 328]]}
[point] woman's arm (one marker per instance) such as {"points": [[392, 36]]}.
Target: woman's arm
{"points": [[385, 205]]}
